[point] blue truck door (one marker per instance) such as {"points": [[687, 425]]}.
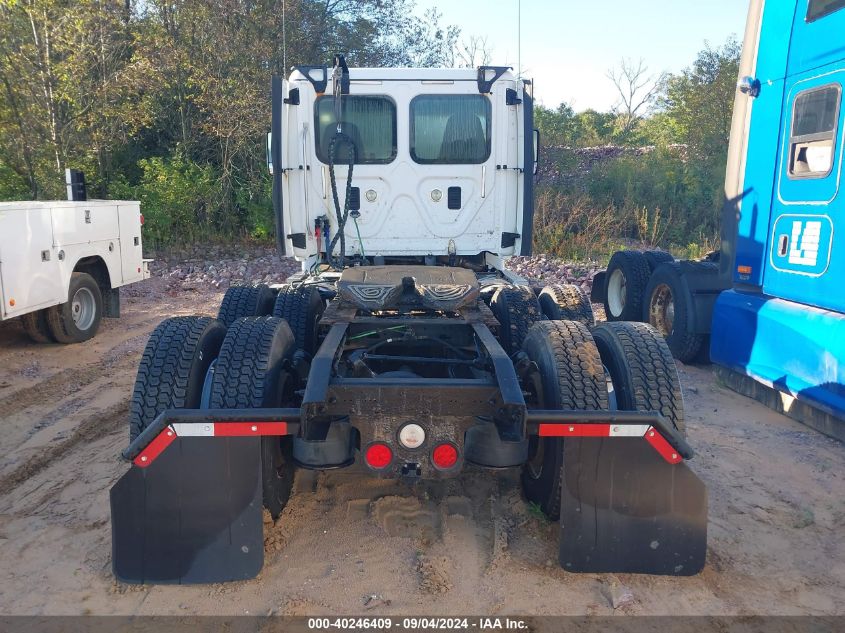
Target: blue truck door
{"points": [[807, 205]]}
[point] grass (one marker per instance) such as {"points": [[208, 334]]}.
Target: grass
{"points": [[535, 511]]}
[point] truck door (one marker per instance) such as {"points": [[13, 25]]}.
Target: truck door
{"points": [[807, 206]]}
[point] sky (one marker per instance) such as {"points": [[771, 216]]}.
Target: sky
{"points": [[568, 46]]}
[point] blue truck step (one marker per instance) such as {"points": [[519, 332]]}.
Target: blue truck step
{"points": [[795, 349]]}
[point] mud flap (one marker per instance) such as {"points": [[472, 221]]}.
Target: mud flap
{"points": [[194, 515], [625, 509]]}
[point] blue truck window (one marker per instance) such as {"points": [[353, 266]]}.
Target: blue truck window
{"points": [[814, 119], [820, 8], [370, 121]]}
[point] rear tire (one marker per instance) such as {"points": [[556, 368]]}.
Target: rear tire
{"points": [[302, 307], [626, 279], [173, 368], [642, 370], [517, 309], [566, 302], [655, 258], [669, 309], [78, 319], [245, 301], [36, 328], [570, 376], [251, 373]]}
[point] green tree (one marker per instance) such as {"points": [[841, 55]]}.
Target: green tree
{"points": [[699, 100], [557, 127]]}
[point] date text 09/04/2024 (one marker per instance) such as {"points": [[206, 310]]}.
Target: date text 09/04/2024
{"points": [[417, 623]]}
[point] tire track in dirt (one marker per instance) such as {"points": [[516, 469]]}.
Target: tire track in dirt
{"points": [[93, 427], [63, 384]]}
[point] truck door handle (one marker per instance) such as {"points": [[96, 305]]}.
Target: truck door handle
{"points": [[45, 256], [783, 245]]}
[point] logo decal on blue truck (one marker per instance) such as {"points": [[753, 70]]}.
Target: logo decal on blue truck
{"points": [[801, 244]]}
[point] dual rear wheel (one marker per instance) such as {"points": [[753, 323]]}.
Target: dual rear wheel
{"points": [[199, 362], [625, 366], [73, 321]]}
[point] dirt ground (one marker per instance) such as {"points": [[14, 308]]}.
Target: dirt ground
{"points": [[349, 544]]}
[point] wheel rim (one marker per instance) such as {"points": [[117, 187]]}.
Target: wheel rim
{"points": [[83, 308], [616, 287], [662, 309]]}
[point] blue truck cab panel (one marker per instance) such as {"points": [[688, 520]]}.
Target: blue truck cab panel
{"points": [[783, 323]]}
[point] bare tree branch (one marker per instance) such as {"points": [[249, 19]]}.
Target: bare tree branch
{"points": [[473, 52], [637, 90]]}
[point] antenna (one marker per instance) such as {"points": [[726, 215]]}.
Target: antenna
{"points": [[519, 39], [284, 42]]}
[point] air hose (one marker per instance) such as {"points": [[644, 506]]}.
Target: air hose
{"points": [[340, 79], [342, 215]]}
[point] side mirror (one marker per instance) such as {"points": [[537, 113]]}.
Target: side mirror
{"points": [[269, 153], [536, 168]]}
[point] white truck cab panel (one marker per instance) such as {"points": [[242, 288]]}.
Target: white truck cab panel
{"points": [[441, 167]]}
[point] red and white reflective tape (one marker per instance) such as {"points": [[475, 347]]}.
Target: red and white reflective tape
{"points": [[651, 435], [209, 429]]}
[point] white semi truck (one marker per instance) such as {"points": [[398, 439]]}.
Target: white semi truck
{"points": [[405, 345], [62, 264]]}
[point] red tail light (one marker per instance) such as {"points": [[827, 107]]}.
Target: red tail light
{"points": [[378, 456], [444, 456], [142, 219]]}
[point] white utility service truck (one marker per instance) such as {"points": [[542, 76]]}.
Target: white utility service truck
{"points": [[62, 264]]}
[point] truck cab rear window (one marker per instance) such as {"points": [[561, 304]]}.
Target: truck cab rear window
{"points": [[450, 129], [812, 143], [820, 8], [370, 121]]}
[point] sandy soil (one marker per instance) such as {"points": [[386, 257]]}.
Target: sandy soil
{"points": [[349, 544]]}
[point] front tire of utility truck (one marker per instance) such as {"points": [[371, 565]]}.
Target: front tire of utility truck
{"points": [[252, 372], [173, 368], [78, 319], [570, 376]]}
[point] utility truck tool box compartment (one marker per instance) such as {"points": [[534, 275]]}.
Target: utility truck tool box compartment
{"points": [[43, 243]]}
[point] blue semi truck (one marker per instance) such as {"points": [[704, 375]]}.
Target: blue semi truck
{"points": [[769, 308]]}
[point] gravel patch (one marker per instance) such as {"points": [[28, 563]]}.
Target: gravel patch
{"points": [[217, 268], [546, 270]]}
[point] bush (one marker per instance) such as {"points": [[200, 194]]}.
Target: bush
{"points": [[661, 197], [652, 198], [257, 203], [12, 186], [184, 201], [177, 199], [570, 226]]}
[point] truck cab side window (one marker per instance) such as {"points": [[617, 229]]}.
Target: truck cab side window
{"points": [[813, 139], [820, 8]]}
